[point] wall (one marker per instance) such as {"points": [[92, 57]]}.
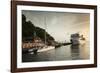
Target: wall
{"points": [[5, 37]]}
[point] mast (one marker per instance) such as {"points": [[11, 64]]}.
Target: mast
{"points": [[34, 33], [45, 28]]}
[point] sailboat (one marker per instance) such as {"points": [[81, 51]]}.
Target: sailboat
{"points": [[36, 49], [46, 47]]}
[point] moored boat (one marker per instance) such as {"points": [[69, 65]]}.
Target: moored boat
{"points": [[46, 48]]}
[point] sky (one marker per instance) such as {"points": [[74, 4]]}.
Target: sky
{"points": [[60, 25]]}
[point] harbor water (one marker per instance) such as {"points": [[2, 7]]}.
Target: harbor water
{"points": [[68, 52]]}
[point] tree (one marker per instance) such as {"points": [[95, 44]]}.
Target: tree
{"points": [[28, 29]]}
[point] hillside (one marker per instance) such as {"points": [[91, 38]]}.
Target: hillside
{"points": [[28, 29]]}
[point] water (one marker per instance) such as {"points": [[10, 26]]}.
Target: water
{"points": [[68, 52]]}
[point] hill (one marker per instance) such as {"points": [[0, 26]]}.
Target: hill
{"points": [[28, 29]]}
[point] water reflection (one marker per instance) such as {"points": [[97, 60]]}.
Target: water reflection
{"points": [[68, 52], [75, 52]]}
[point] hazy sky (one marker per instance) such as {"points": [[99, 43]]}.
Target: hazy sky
{"points": [[60, 25]]}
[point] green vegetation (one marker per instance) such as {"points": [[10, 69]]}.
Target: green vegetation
{"points": [[28, 29]]}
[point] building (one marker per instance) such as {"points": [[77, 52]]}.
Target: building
{"points": [[75, 39], [32, 42]]}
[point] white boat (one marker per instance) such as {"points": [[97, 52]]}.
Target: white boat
{"points": [[47, 48]]}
